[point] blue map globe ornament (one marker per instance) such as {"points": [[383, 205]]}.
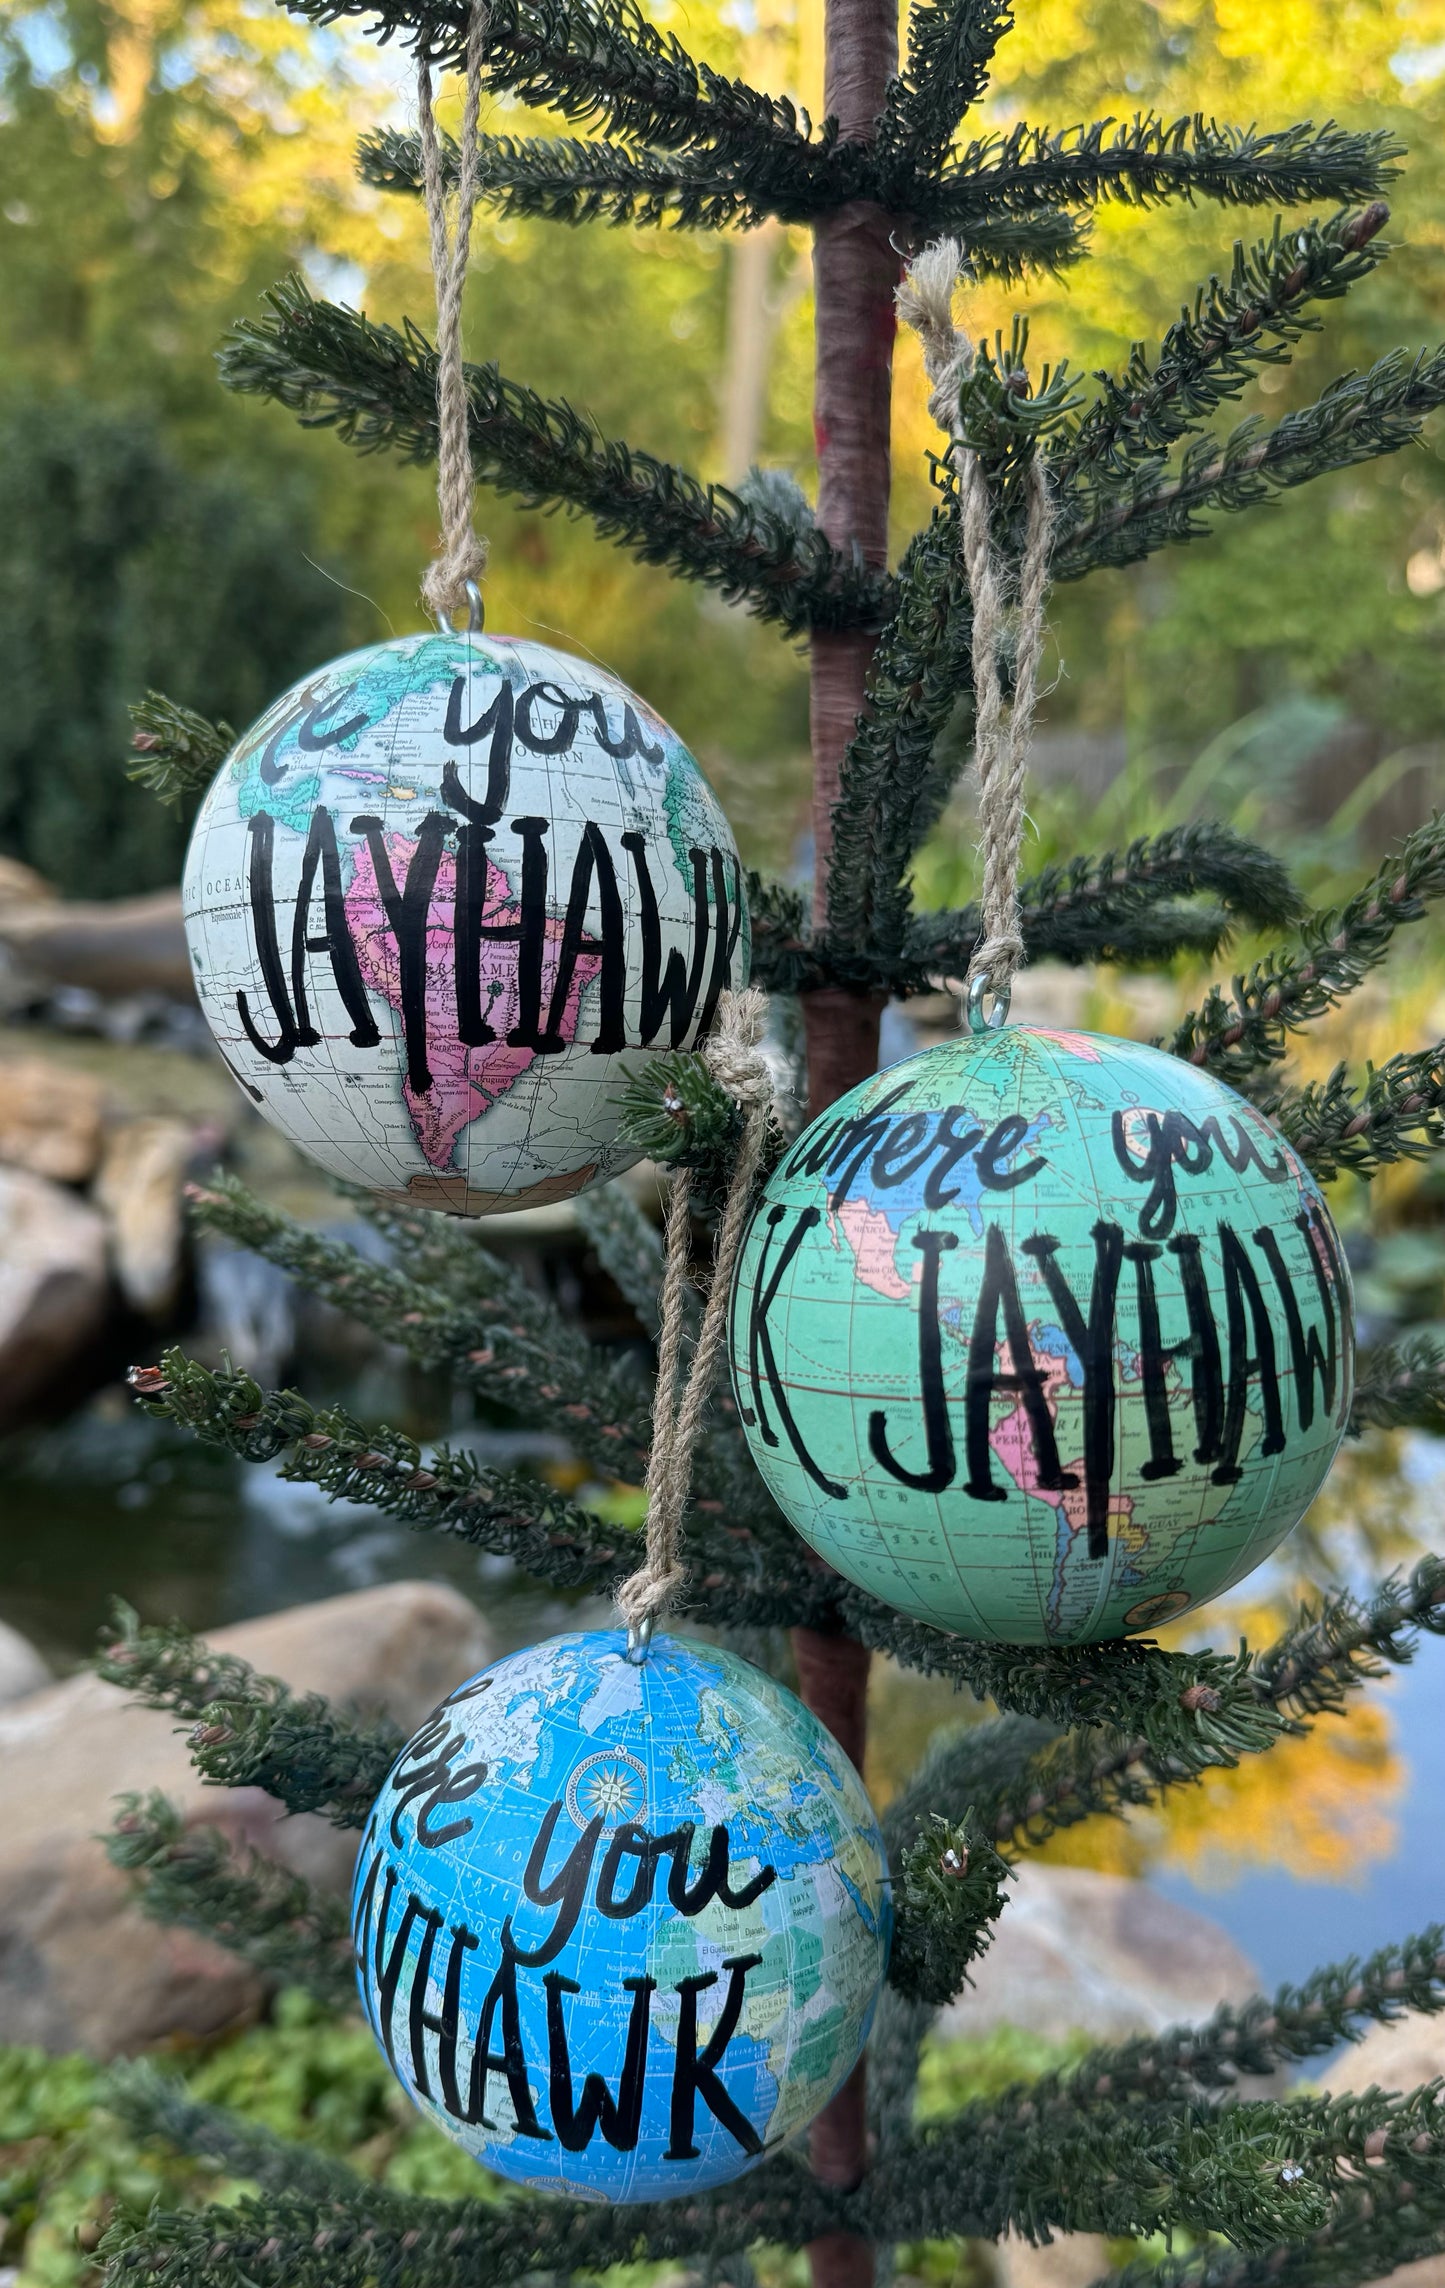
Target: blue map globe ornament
{"points": [[621, 1924], [1042, 1336], [437, 900]]}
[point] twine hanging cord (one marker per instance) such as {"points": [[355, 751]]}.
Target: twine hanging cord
{"points": [[462, 555], [1001, 738], [733, 1057]]}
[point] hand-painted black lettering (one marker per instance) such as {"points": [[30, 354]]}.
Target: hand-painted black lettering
{"points": [[498, 720], [727, 929], [619, 2119], [937, 1429], [1206, 1372], [1093, 1343], [268, 951], [530, 933], [565, 1890], [1241, 1290], [631, 740], [407, 912], [389, 1963], [592, 863], [510, 2061], [635, 1843], [998, 1291], [761, 1357], [951, 1145], [1312, 1360], [335, 940], [447, 2028], [689, 1898], [314, 734], [1001, 1143], [858, 1139], [420, 2020], [898, 1157], [695, 2073], [555, 742], [667, 992], [424, 1776], [1163, 1462]]}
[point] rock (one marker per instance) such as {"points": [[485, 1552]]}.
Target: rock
{"points": [[50, 1119], [139, 1190], [21, 885], [21, 1668], [80, 1966], [114, 946], [1400, 2057], [1072, 2260], [1076, 1951], [54, 1285]]}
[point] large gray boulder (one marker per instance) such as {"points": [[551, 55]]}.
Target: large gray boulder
{"points": [[50, 1119], [113, 946], [22, 1671], [139, 1190], [1098, 1954], [54, 1285], [80, 1966], [1401, 2057]]}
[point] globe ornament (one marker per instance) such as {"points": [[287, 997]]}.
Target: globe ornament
{"points": [[439, 896], [620, 1925], [1042, 1336]]}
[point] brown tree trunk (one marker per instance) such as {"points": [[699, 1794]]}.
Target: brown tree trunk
{"points": [[855, 272]]}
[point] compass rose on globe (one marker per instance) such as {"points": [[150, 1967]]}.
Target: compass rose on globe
{"points": [[612, 1788]]}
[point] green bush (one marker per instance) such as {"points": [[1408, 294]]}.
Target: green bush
{"points": [[122, 570]]}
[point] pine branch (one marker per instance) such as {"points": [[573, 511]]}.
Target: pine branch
{"points": [[951, 44], [1334, 1648], [1398, 1384], [562, 179], [1149, 160], [1238, 1034], [1399, 1114], [1122, 906], [1361, 417], [742, 1575], [601, 60], [1212, 352], [493, 1334], [895, 2046], [250, 1730], [377, 388], [948, 1892], [272, 1919], [1263, 2173], [1389, 2219], [628, 1245], [155, 2104], [178, 751]]}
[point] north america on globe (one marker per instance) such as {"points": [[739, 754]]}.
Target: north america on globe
{"points": [[437, 896]]}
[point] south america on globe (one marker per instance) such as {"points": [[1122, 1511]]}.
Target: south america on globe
{"points": [[439, 896], [1042, 1336], [620, 1925]]}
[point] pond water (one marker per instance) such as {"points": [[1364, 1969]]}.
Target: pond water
{"points": [[1329, 1847]]}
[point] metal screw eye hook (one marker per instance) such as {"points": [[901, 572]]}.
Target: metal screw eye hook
{"points": [[476, 609], [997, 1017], [639, 1640]]}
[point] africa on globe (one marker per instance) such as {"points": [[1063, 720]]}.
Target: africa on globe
{"points": [[620, 1925], [436, 900], [1042, 1336]]}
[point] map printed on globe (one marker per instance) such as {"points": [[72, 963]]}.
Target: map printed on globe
{"points": [[620, 1926], [437, 897], [1043, 1336]]}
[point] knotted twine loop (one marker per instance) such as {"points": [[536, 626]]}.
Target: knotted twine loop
{"points": [[733, 1058], [1001, 741], [462, 555]]}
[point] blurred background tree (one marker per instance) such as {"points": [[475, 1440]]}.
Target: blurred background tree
{"points": [[160, 163]]}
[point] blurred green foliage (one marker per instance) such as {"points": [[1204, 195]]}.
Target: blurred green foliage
{"points": [[68, 2165]]}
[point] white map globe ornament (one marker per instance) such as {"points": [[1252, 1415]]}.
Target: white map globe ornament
{"points": [[440, 897]]}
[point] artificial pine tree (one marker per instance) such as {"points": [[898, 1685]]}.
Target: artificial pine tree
{"points": [[1137, 2139]]}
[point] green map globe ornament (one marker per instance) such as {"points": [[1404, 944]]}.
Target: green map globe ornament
{"points": [[439, 897], [1042, 1336], [621, 1924]]}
